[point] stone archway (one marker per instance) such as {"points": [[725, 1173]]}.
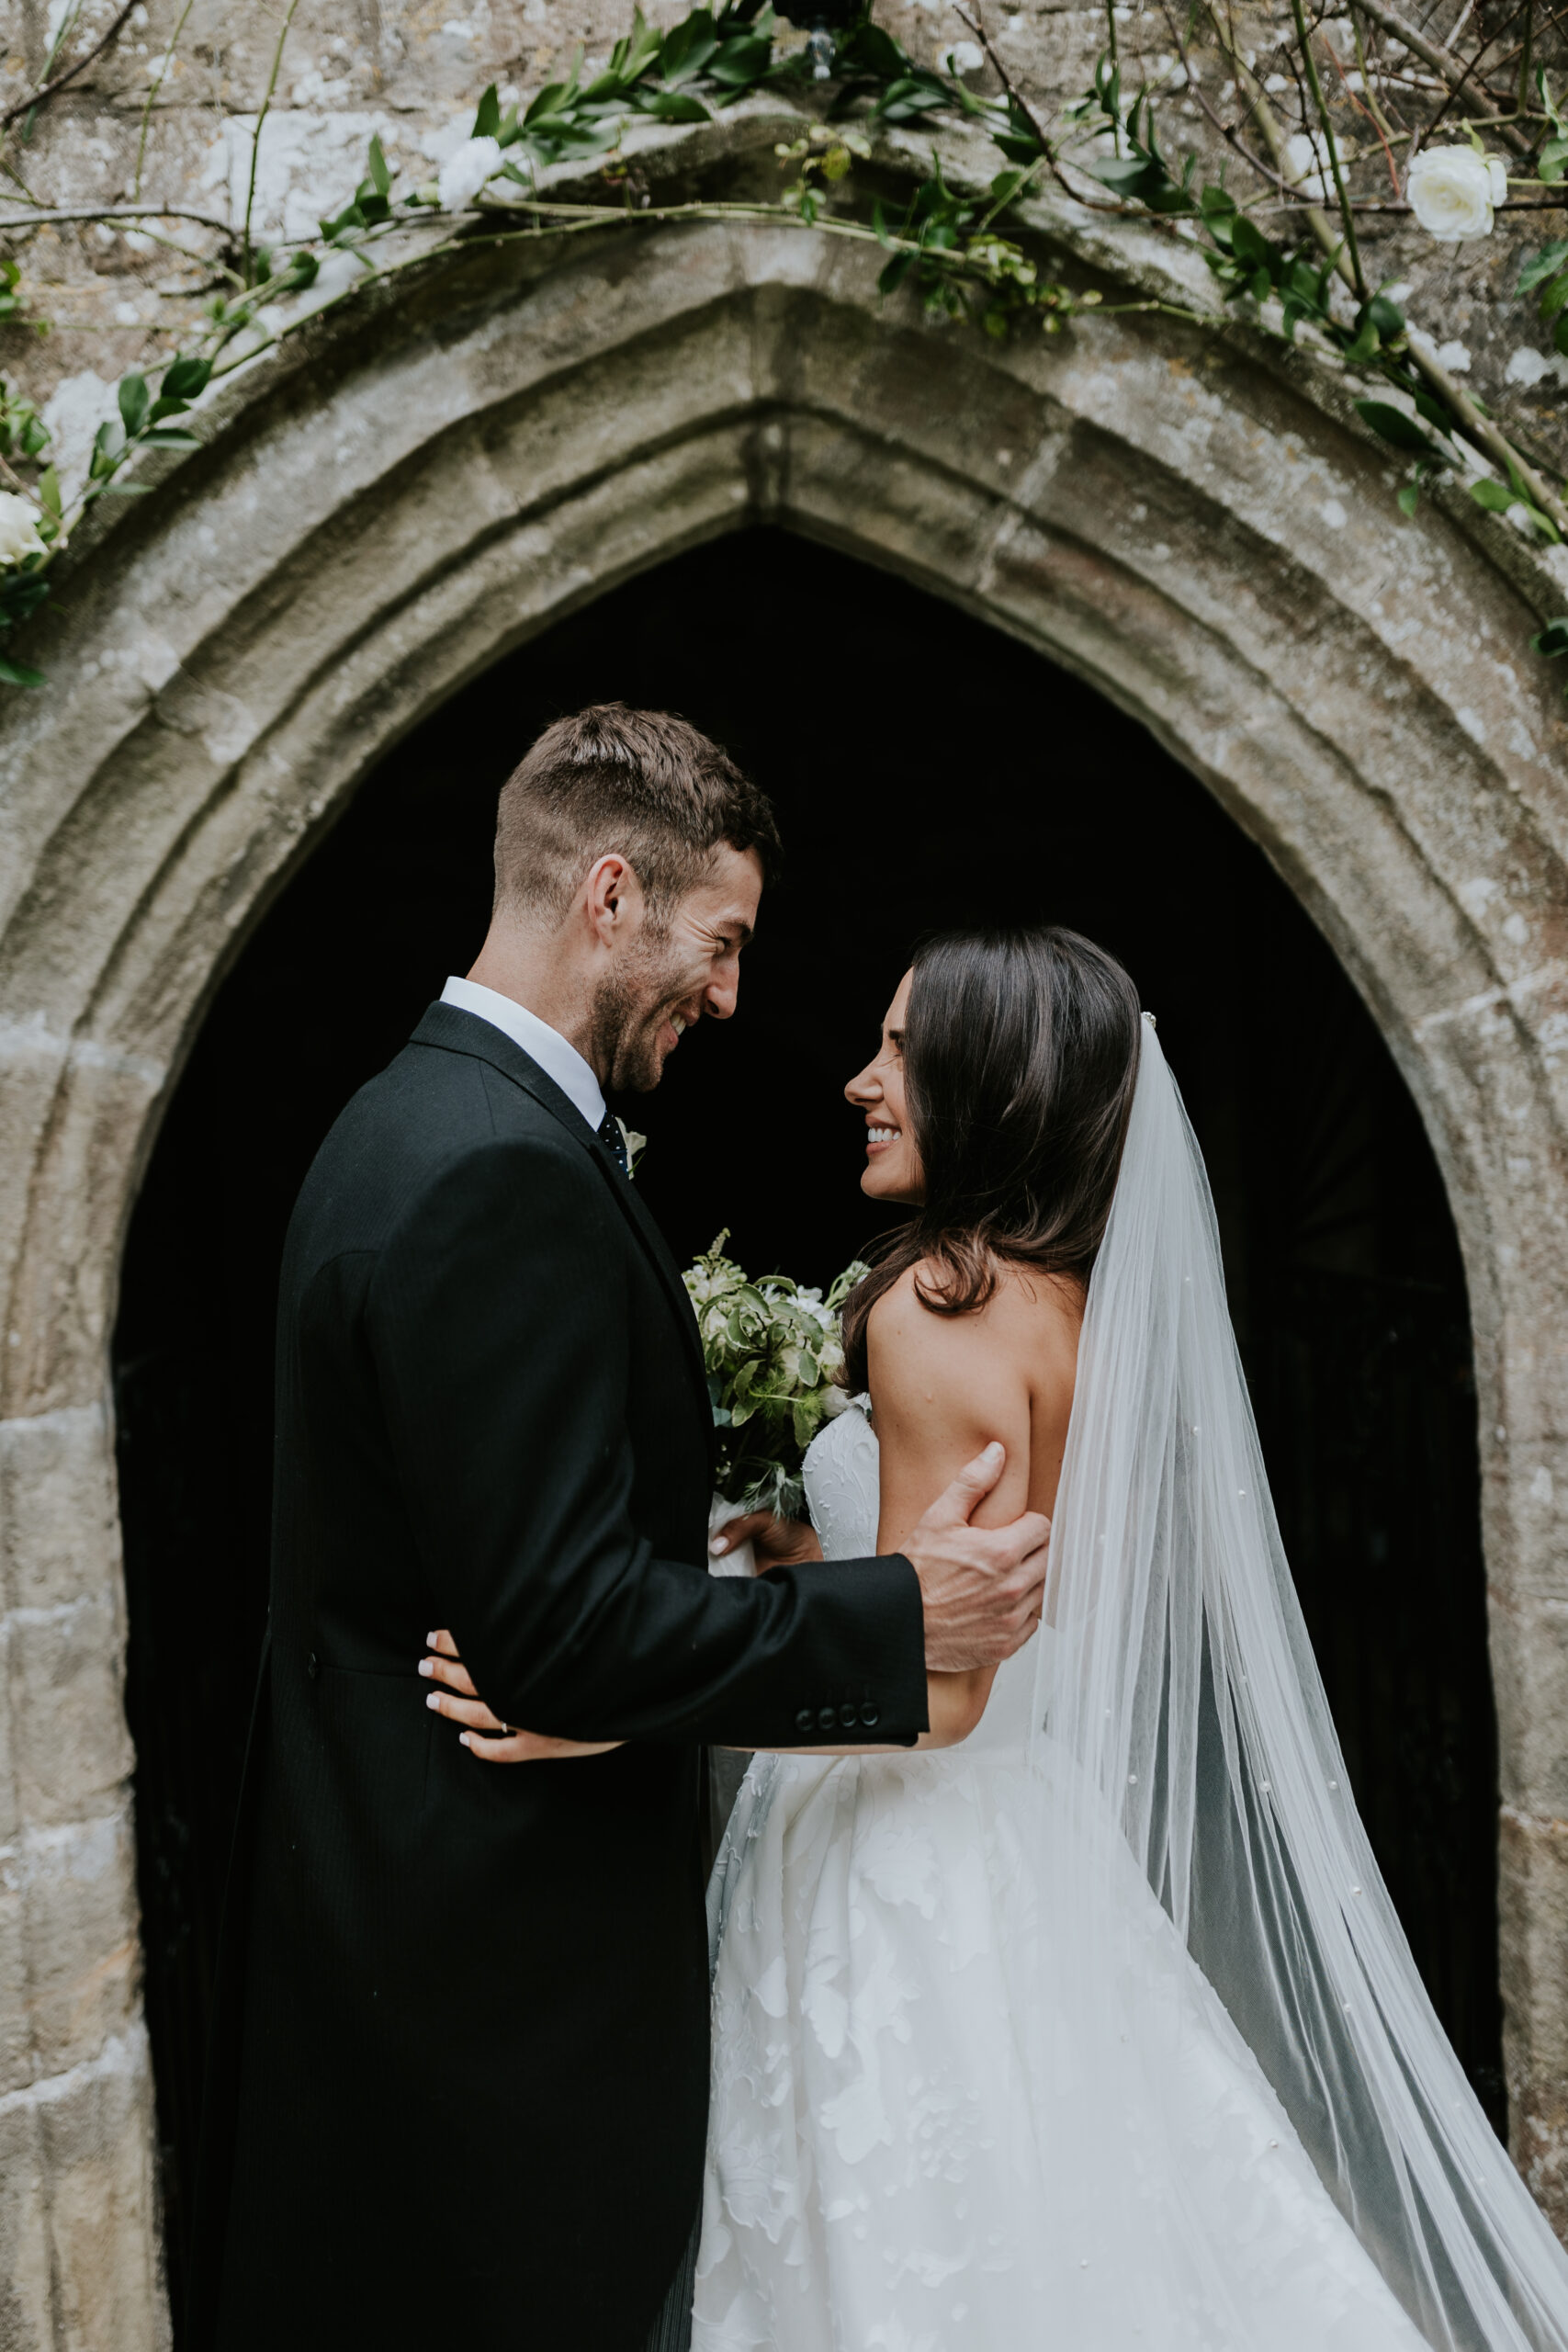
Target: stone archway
{"points": [[440, 474]]}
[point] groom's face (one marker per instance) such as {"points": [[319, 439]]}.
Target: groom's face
{"points": [[670, 974]]}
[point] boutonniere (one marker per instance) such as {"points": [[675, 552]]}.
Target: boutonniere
{"points": [[636, 1145]]}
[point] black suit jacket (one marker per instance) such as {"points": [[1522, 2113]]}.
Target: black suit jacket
{"points": [[460, 2078]]}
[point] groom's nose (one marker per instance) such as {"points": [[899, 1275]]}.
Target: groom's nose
{"points": [[718, 997]]}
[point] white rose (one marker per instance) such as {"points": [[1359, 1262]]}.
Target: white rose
{"points": [[1452, 191], [464, 174], [19, 528], [962, 57]]}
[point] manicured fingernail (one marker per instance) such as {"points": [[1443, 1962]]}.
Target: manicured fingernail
{"points": [[719, 1543], [433, 1700], [427, 1666], [430, 1640], [463, 1740], [993, 1449]]}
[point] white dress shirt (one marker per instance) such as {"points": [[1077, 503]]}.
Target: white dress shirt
{"points": [[538, 1040]]}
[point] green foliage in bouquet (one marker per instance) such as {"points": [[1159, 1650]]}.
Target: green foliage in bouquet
{"points": [[772, 1354]]}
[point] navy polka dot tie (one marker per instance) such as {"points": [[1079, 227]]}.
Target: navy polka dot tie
{"points": [[615, 1142]]}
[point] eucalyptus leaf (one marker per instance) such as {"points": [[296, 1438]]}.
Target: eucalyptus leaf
{"points": [[675, 106], [1393, 425], [1553, 641], [1543, 265], [487, 121], [20, 674], [183, 377], [134, 401]]}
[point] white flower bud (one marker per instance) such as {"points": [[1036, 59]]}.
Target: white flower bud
{"points": [[464, 174], [1452, 191], [19, 528]]}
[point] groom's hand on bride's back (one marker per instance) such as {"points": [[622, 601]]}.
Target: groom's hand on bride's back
{"points": [[982, 1587]]}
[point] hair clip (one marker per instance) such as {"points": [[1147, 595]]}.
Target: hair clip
{"points": [[1151, 1022]]}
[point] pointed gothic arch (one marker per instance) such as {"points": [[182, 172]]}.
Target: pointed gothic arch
{"points": [[430, 478]]}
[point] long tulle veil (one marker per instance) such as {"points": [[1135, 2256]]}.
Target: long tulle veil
{"points": [[1179, 1717]]}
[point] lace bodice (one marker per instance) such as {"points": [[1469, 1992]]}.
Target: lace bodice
{"points": [[840, 1476]]}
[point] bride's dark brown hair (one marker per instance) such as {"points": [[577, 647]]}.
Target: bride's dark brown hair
{"points": [[1020, 1053]]}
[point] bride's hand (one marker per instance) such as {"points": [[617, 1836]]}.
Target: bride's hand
{"points": [[777, 1542], [461, 1703]]}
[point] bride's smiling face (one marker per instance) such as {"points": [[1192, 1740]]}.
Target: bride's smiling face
{"points": [[893, 1170]]}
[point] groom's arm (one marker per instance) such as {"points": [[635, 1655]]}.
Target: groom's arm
{"points": [[498, 1319]]}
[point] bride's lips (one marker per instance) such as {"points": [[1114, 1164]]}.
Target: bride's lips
{"points": [[881, 1138]]}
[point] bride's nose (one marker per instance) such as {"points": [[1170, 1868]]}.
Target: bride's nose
{"points": [[864, 1087]]}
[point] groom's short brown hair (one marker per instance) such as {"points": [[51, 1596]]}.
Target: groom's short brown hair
{"points": [[641, 782]]}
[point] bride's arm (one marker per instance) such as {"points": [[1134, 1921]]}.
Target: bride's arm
{"points": [[942, 1387]]}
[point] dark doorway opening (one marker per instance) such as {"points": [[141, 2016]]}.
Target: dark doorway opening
{"points": [[917, 785]]}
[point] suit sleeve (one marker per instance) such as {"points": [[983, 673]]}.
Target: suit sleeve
{"points": [[498, 1324]]}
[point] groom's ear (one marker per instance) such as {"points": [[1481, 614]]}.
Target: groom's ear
{"points": [[612, 898]]}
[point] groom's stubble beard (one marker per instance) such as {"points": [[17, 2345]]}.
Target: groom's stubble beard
{"points": [[631, 1006]]}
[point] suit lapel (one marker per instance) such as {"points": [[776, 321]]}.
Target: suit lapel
{"points": [[457, 1031]]}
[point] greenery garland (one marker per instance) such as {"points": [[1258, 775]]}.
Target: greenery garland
{"points": [[960, 253]]}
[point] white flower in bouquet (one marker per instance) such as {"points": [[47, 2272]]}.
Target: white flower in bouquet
{"points": [[1453, 192], [467, 171]]}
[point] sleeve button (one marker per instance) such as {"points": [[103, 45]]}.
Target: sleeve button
{"points": [[827, 1719], [848, 1718], [806, 1721], [871, 1714]]}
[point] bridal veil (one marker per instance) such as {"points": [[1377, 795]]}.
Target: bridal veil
{"points": [[1179, 1720]]}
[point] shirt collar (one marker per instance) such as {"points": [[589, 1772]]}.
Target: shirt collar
{"points": [[544, 1045]]}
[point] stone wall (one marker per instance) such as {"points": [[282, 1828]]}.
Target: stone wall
{"points": [[426, 475], [146, 124]]}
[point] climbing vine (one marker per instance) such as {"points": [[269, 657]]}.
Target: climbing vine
{"points": [[1277, 223]]}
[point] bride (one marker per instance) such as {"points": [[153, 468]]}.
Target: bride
{"points": [[1088, 2025]]}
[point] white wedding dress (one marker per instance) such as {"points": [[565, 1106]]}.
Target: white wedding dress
{"points": [[880, 2178], [976, 2086]]}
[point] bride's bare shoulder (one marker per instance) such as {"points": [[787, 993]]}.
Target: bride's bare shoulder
{"points": [[1023, 1337]]}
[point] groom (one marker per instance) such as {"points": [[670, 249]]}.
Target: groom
{"points": [[459, 2079]]}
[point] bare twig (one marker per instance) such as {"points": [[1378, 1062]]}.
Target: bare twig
{"points": [[154, 86], [1441, 61], [52, 89], [1471, 74], [1357, 276], [55, 214], [973, 19], [1362, 108], [255, 143], [1227, 131]]}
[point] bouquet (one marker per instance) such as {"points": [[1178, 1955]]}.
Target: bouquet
{"points": [[772, 1354]]}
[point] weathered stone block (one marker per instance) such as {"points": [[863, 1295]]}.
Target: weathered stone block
{"points": [[81, 1954], [59, 1520], [78, 2267]]}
